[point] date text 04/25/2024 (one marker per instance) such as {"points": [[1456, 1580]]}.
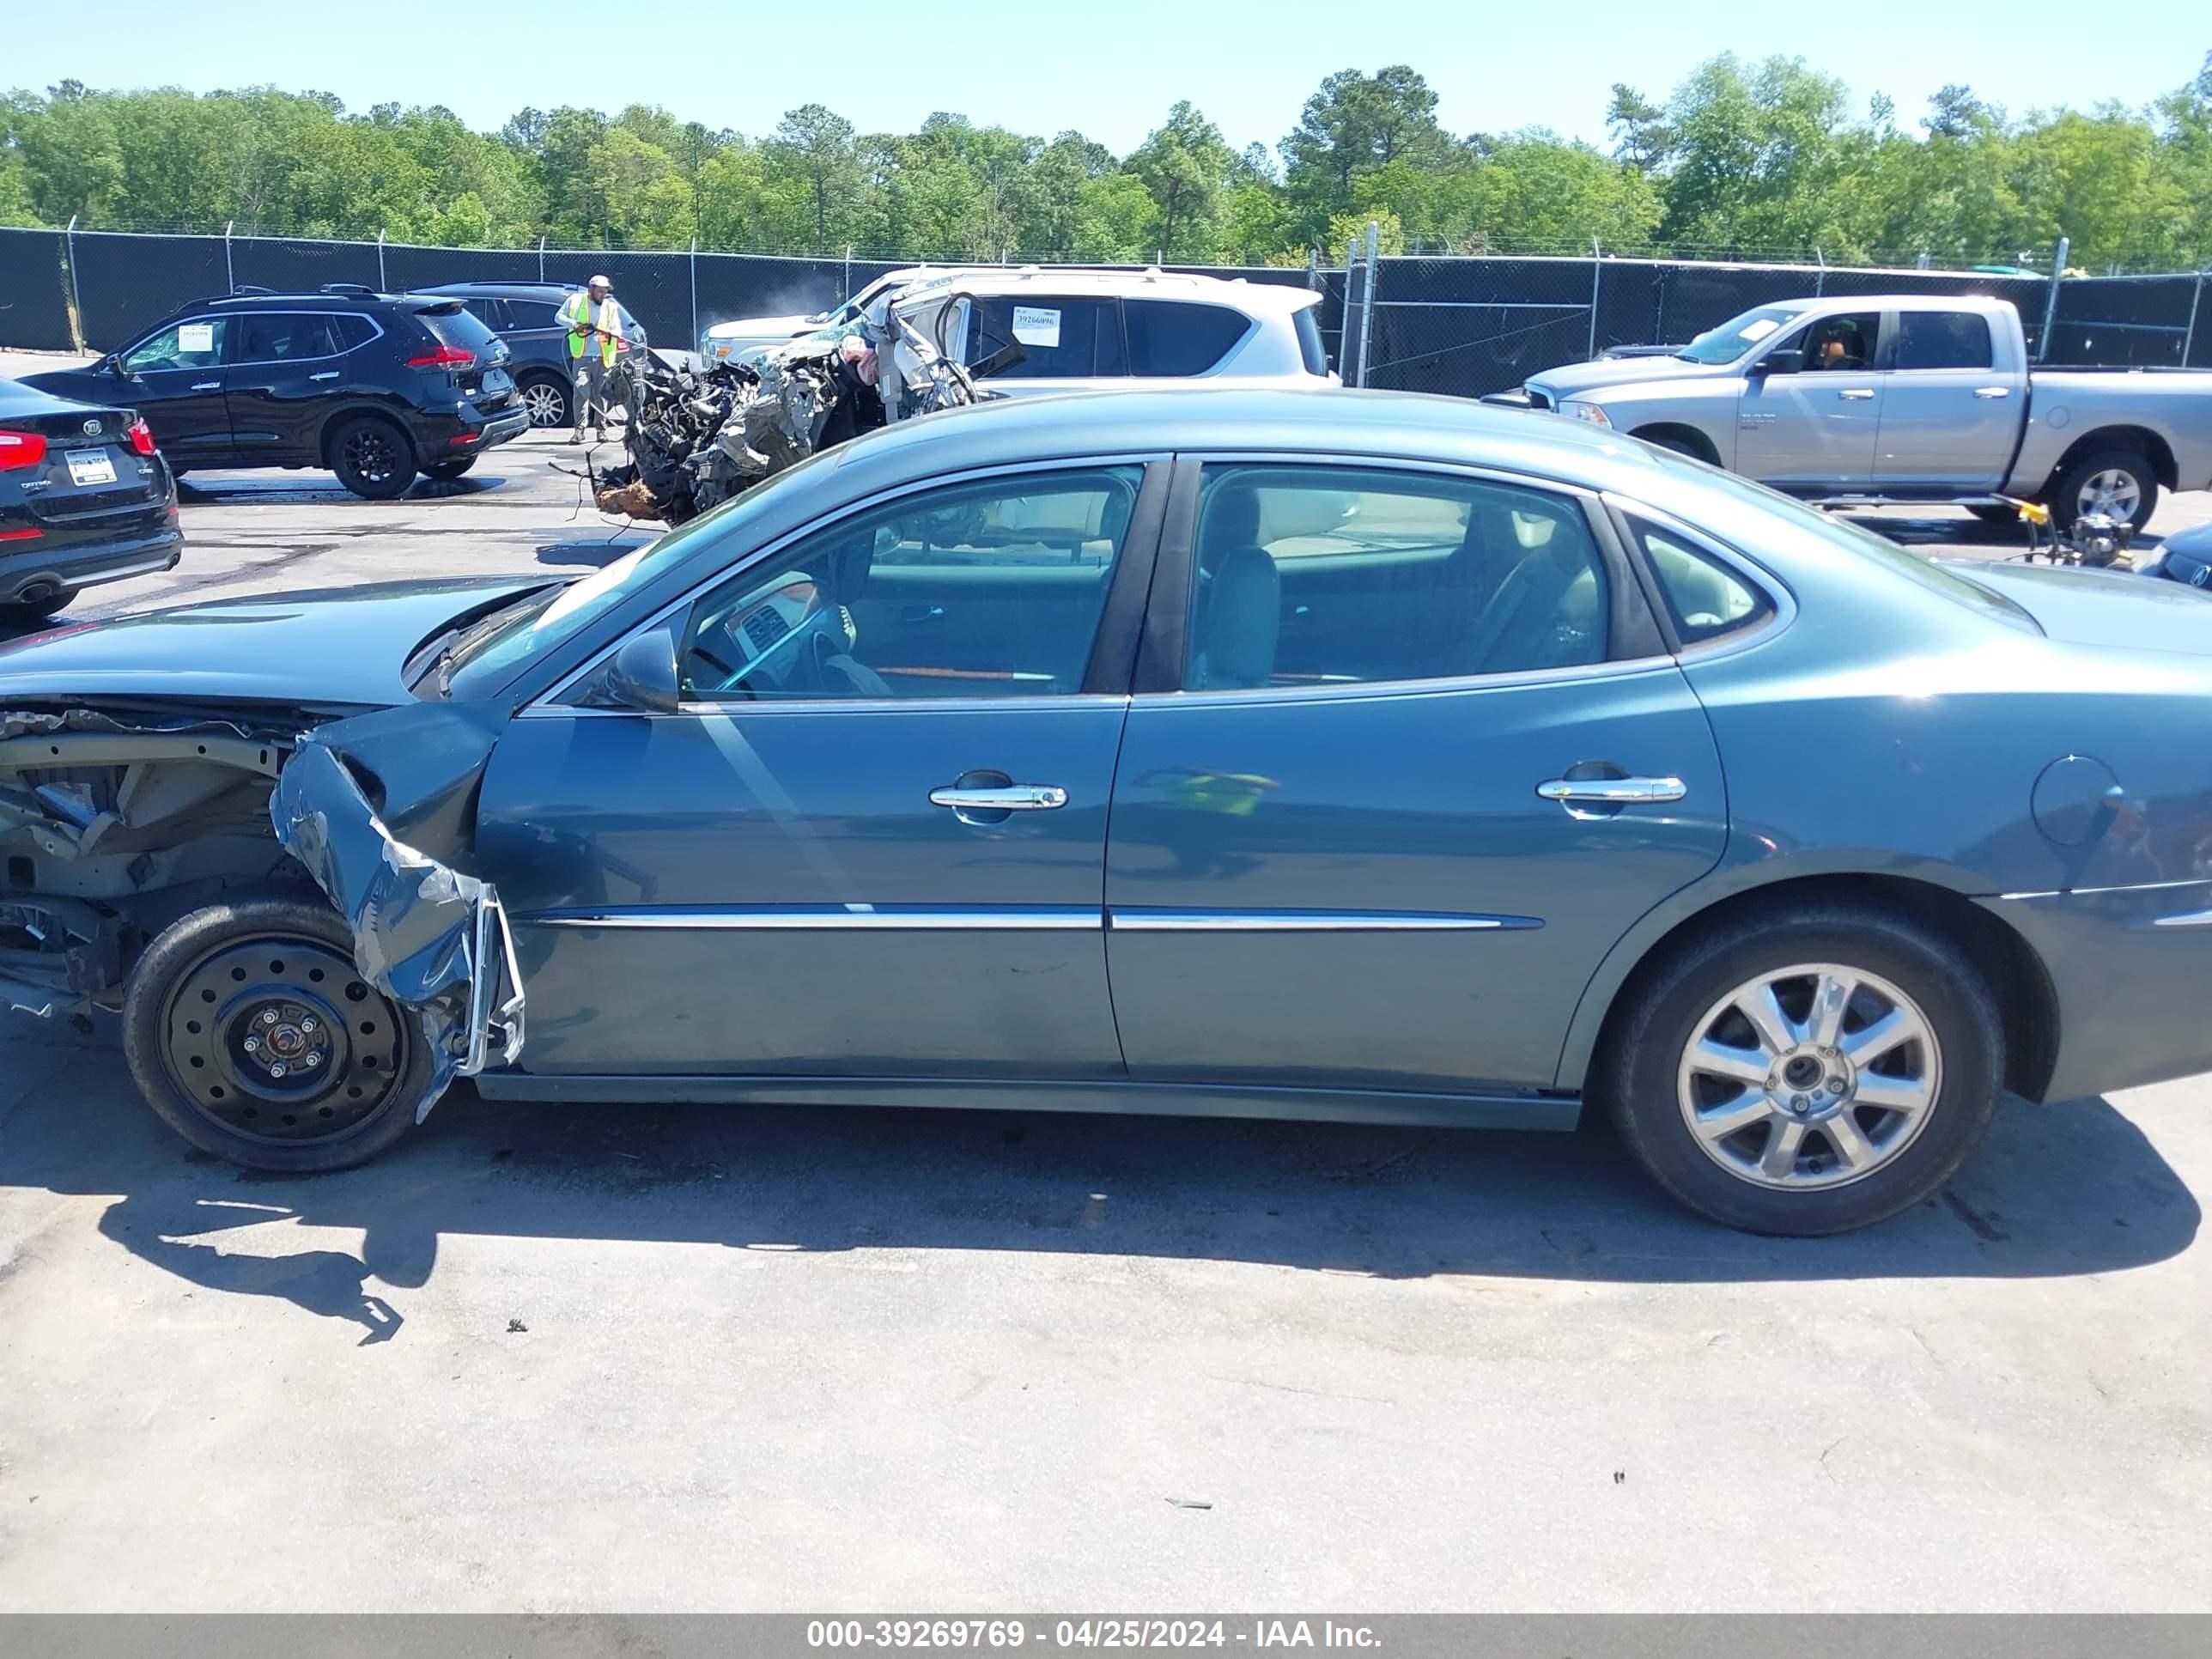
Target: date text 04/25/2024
{"points": [[1090, 1632]]}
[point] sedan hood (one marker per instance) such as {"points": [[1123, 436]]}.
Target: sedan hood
{"points": [[340, 648], [761, 328], [2116, 608], [1576, 379]]}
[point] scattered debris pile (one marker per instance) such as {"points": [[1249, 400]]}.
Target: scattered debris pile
{"points": [[696, 438]]}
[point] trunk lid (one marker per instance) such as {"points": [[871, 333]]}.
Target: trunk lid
{"points": [[2117, 609]]}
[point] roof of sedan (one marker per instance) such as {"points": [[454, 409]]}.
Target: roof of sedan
{"points": [[1358, 425]]}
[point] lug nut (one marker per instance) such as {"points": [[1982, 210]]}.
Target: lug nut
{"points": [[1835, 1085], [277, 1068], [252, 1045], [310, 1058], [268, 1016], [307, 1024], [1798, 1103]]}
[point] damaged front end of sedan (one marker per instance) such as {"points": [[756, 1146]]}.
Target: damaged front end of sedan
{"points": [[695, 439], [119, 825]]}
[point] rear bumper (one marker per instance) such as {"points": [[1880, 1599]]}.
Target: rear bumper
{"points": [[2129, 965], [31, 570]]}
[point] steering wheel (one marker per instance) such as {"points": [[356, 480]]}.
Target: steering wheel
{"points": [[776, 635]]}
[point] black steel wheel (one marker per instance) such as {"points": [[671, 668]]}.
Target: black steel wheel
{"points": [[373, 457], [252, 1033]]}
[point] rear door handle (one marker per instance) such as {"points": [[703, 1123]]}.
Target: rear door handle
{"points": [[1993, 392], [1612, 791], [327, 374], [207, 385], [1855, 394], [1005, 798]]}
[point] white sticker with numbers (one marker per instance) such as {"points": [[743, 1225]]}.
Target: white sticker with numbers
{"points": [[1035, 326], [196, 337]]}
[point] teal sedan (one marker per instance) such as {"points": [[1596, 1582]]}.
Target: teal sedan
{"points": [[1327, 755]]}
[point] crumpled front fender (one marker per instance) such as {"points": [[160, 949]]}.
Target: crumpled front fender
{"points": [[425, 934]]}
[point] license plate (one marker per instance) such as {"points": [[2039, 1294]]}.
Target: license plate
{"points": [[495, 379], [90, 467]]}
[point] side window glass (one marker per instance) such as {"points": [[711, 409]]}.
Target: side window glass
{"points": [[1311, 575], [1170, 337], [285, 336], [196, 345], [988, 589], [1845, 342], [1063, 338], [352, 331], [1943, 339], [1705, 598]]}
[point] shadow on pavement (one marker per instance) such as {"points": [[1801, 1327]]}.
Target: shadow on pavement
{"points": [[595, 550], [2055, 1191]]}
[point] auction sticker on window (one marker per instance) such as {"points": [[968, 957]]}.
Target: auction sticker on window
{"points": [[196, 337], [1036, 326]]}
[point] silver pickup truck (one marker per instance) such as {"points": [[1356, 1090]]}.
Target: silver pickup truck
{"points": [[1902, 397]]}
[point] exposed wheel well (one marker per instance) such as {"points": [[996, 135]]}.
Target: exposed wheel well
{"points": [[2024, 993], [2141, 440], [1664, 433]]}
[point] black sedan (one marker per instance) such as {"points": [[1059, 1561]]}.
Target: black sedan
{"points": [[85, 497]]}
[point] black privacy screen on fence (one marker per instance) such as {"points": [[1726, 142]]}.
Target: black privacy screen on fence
{"points": [[33, 305], [1463, 326]]}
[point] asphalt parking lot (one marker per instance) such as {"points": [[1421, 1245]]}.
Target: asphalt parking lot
{"points": [[565, 1358]]}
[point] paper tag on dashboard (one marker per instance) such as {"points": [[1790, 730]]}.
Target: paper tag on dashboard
{"points": [[1035, 326]]}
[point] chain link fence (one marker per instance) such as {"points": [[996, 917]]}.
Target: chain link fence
{"points": [[1459, 324]]}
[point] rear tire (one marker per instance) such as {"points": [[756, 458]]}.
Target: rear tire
{"points": [[1837, 1124], [2121, 478], [373, 457], [28, 613], [206, 988]]}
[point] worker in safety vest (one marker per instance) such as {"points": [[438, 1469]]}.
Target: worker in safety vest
{"points": [[594, 322]]}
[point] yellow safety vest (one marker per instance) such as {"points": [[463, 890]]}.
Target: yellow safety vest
{"points": [[576, 312]]}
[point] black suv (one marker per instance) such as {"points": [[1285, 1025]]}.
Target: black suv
{"points": [[377, 387], [528, 317]]}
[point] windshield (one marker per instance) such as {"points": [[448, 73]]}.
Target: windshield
{"points": [[489, 657], [1738, 335]]}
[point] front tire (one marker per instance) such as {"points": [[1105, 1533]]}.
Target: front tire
{"points": [[373, 457], [2117, 481], [1808, 1071], [251, 1034], [546, 401]]}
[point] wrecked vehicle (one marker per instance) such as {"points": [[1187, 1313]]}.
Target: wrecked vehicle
{"points": [[698, 436], [1267, 753]]}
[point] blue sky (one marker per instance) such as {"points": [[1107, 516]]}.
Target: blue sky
{"points": [[1109, 70]]}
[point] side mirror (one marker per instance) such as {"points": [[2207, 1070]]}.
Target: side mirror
{"points": [[1779, 362], [643, 674], [112, 363]]}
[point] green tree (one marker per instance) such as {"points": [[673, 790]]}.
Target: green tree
{"points": [[1183, 164], [816, 145]]}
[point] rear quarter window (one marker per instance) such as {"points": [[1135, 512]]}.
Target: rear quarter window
{"points": [[1311, 352], [1168, 337]]}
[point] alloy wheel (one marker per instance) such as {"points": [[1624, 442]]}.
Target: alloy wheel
{"points": [[279, 1039], [371, 455], [2111, 492], [1816, 1075], [545, 404]]}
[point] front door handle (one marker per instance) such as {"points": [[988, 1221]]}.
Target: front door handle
{"points": [[1005, 798], [1993, 392], [327, 374], [1855, 394], [207, 385], [1612, 791]]}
